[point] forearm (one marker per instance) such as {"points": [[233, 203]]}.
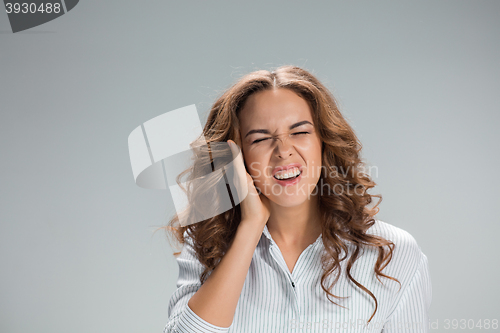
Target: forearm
{"points": [[216, 300]]}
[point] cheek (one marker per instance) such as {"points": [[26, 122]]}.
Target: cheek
{"points": [[318, 161], [313, 157], [312, 148], [316, 147], [254, 165]]}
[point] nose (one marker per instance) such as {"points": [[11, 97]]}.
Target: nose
{"points": [[283, 148]]}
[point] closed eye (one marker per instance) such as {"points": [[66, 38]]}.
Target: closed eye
{"points": [[259, 140]]}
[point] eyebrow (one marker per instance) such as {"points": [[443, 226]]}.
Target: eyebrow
{"points": [[264, 131]]}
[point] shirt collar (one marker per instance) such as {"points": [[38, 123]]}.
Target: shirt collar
{"points": [[266, 233]]}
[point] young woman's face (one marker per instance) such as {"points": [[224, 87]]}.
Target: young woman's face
{"points": [[278, 141]]}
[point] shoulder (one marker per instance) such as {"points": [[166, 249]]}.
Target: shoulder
{"points": [[407, 255], [394, 234], [187, 252]]}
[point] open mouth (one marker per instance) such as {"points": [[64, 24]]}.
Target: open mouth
{"points": [[288, 174]]}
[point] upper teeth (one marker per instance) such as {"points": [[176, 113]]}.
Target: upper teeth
{"points": [[287, 173]]}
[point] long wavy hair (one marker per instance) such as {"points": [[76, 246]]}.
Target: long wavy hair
{"points": [[345, 217]]}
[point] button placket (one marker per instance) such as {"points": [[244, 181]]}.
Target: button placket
{"points": [[278, 258], [299, 265], [301, 268]]}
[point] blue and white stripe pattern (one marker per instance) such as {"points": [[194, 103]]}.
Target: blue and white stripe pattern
{"points": [[275, 300]]}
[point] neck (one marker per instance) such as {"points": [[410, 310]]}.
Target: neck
{"points": [[295, 225]]}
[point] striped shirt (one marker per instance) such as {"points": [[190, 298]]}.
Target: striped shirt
{"points": [[275, 300]]}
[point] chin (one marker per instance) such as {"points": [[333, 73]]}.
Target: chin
{"points": [[287, 196], [287, 200]]}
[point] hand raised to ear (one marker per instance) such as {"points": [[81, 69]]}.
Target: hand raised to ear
{"points": [[254, 206]]}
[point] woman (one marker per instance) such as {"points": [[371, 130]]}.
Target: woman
{"points": [[302, 252]]}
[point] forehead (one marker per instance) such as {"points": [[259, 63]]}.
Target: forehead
{"points": [[274, 109]]}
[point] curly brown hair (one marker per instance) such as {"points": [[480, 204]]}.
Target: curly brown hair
{"points": [[345, 217]]}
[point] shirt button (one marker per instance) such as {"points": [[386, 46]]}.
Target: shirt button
{"points": [[293, 284]]}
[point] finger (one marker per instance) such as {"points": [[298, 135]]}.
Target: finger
{"points": [[238, 162], [240, 175], [238, 158]]}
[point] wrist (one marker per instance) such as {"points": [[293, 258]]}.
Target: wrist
{"points": [[253, 224]]}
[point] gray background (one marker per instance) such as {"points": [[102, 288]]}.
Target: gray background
{"points": [[418, 81]]}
